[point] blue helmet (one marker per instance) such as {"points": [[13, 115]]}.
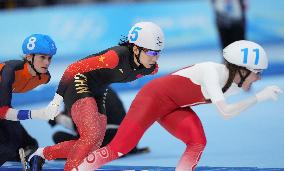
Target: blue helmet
{"points": [[39, 44]]}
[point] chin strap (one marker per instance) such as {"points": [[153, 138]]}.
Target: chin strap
{"points": [[33, 67], [243, 77]]}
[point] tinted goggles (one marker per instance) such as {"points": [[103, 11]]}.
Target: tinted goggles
{"points": [[151, 52]]}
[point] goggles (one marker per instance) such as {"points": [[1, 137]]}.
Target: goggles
{"points": [[151, 52]]}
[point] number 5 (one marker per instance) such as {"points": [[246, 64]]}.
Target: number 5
{"points": [[134, 33], [245, 50]]}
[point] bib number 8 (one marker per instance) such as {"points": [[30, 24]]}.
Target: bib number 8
{"points": [[31, 43]]}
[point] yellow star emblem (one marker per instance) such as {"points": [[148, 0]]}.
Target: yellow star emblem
{"points": [[101, 59]]}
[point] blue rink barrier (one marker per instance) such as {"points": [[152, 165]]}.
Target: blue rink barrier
{"points": [[58, 166], [187, 25]]}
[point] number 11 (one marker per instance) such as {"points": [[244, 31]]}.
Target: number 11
{"points": [[245, 50]]}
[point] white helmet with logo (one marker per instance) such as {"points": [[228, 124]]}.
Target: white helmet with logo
{"points": [[246, 54], [147, 35]]}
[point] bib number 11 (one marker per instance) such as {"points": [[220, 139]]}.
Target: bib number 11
{"points": [[246, 51]]}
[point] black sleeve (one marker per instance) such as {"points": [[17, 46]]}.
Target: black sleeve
{"points": [[7, 79]]}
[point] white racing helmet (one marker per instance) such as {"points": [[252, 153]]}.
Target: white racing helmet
{"points": [[147, 35], [246, 54]]}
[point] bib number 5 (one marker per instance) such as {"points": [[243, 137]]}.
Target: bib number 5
{"points": [[134, 33]]}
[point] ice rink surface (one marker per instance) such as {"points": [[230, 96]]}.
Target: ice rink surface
{"points": [[254, 140]]}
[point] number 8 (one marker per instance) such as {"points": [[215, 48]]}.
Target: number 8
{"points": [[31, 43]]}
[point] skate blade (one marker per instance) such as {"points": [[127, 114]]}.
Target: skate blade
{"points": [[23, 160], [143, 150]]}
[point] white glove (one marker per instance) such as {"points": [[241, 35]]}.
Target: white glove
{"points": [[41, 114], [53, 106], [65, 121], [270, 92], [50, 112]]}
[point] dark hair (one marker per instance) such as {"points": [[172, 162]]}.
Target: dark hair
{"points": [[233, 69], [124, 42]]}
